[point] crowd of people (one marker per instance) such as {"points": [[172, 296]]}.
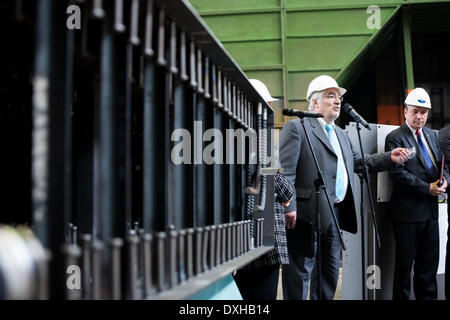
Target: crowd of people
{"points": [[308, 216]]}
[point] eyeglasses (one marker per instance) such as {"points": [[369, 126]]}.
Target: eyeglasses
{"points": [[333, 96]]}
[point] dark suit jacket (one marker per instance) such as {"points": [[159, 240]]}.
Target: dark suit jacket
{"points": [[410, 201], [300, 170]]}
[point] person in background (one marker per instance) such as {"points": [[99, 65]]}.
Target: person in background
{"points": [[444, 143], [337, 160], [259, 280], [414, 201]]}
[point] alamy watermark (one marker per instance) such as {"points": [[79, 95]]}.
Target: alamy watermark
{"points": [[74, 19], [211, 147], [73, 281], [373, 273], [374, 20]]}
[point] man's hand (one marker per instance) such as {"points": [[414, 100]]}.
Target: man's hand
{"points": [[399, 155], [444, 185], [435, 190], [291, 218], [286, 204]]}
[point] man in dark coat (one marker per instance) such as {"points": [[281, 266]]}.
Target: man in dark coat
{"points": [[444, 143], [414, 201], [338, 161]]}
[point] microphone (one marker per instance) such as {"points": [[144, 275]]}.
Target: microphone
{"points": [[349, 109], [301, 114]]}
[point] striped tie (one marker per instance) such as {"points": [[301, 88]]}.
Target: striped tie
{"points": [[431, 169]]}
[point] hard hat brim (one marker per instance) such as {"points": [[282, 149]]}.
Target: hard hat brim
{"points": [[418, 105], [342, 91]]}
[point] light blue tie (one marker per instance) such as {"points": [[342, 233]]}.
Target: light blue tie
{"points": [[340, 178]]}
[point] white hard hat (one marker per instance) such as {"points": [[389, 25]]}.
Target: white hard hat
{"points": [[322, 83], [262, 90], [419, 98]]}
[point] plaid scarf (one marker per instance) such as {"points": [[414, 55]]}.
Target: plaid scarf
{"points": [[279, 254]]}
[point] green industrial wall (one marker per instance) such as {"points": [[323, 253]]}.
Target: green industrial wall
{"points": [[286, 43]]}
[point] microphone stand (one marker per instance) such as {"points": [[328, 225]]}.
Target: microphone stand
{"points": [[319, 184], [364, 176]]}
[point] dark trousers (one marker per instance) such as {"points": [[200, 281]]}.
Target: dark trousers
{"points": [[416, 243], [447, 256], [258, 283], [301, 270]]}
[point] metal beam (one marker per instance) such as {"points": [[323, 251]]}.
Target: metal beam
{"points": [[406, 28]]}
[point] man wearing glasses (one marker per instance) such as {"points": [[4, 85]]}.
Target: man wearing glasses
{"points": [[337, 160]]}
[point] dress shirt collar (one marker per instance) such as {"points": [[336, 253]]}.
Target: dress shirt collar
{"points": [[323, 124], [413, 130]]}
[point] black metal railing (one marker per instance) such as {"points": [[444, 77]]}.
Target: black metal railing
{"points": [[99, 108]]}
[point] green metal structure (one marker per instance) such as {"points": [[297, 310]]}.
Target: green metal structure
{"points": [[286, 43]]}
